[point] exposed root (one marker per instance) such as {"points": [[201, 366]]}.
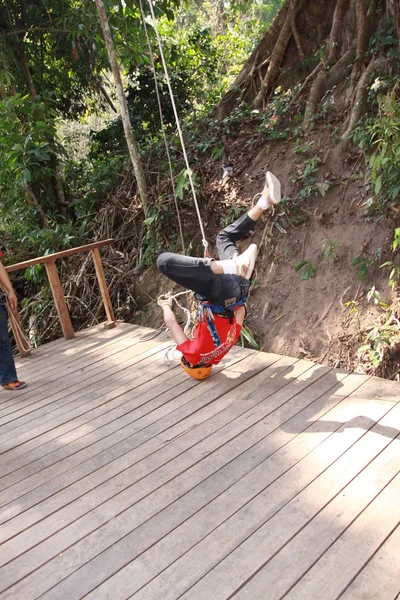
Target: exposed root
{"points": [[359, 108]]}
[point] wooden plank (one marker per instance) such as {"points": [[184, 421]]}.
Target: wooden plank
{"points": [[70, 360], [58, 348], [380, 576], [59, 485], [103, 287], [380, 389], [42, 361], [135, 437], [311, 543], [182, 470], [128, 495], [246, 423], [94, 403], [48, 258], [338, 566], [208, 480], [59, 300], [16, 542], [113, 414], [90, 369], [234, 551]]}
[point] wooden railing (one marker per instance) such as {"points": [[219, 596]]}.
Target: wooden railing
{"points": [[49, 262]]}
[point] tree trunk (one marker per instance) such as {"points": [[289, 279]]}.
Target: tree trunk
{"points": [[130, 140]]}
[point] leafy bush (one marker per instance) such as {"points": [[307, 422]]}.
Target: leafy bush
{"points": [[379, 138]]}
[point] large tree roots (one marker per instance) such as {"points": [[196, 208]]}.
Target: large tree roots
{"points": [[339, 35]]}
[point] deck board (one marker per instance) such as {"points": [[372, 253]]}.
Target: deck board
{"points": [[120, 477]]}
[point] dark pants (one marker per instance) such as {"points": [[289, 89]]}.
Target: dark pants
{"points": [[196, 274], [7, 365]]}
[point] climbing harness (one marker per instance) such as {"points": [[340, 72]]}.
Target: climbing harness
{"points": [[188, 170], [205, 312]]}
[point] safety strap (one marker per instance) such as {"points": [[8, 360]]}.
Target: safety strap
{"points": [[222, 310]]}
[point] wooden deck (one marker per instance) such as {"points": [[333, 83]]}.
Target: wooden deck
{"points": [[123, 478]]}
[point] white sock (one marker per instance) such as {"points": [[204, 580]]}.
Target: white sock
{"points": [[262, 202], [229, 267]]}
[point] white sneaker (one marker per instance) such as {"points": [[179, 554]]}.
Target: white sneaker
{"points": [[246, 261], [272, 189]]}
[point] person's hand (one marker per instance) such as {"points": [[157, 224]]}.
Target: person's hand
{"points": [[164, 300], [12, 301]]}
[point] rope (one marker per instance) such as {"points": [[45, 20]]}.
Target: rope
{"points": [[205, 243], [153, 66], [18, 331]]}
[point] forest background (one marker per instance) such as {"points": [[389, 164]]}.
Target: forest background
{"points": [[307, 89]]}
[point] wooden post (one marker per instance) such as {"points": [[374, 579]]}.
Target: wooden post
{"points": [[17, 335], [103, 289], [59, 300]]}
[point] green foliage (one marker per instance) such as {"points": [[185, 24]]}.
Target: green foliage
{"points": [[394, 273], [383, 336], [305, 178], [27, 147], [362, 262], [353, 315], [379, 138], [302, 147], [307, 269], [232, 215], [396, 240], [330, 249], [247, 336], [49, 194]]}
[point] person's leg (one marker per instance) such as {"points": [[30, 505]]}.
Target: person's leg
{"points": [[193, 273], [227, 238], [8, 373]]}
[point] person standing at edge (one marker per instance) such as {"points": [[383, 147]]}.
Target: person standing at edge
{"points": [[8, 373]]}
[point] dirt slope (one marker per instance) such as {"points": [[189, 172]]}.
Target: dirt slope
{"points": [[321, 317]]}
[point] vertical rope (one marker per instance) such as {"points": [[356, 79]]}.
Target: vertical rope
{"points": [[205, 243], [162, 125]]}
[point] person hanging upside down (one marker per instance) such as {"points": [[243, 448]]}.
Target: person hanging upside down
{"points": [[221, 288]]}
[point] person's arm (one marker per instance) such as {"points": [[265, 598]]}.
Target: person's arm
{"points": [[240, 315], [6, 284], [175, 329], [165, 302]]}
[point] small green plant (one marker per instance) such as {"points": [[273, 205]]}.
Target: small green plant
{"points": [[396, 240], [353, 315], [363, 262], [218, 151], [379, 137], [307, 269], [383, 336], [394, 274], [247, 336], [302, 147], [232, 215], [330, 249], [306, 179]]}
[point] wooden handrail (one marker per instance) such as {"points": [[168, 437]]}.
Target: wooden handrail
{"points": [[63, 254], [50, 263]]}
